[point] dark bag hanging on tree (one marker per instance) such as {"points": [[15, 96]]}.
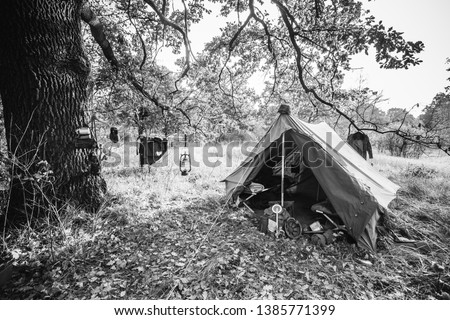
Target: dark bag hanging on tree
{"points": [[114, 135]]}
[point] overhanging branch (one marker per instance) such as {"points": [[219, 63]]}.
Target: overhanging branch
{"points": [[288, 19]]}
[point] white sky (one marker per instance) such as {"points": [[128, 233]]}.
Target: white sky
{"points": [[426, 21]]}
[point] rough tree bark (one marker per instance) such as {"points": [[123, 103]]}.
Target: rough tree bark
{"points": [[43, 86]]}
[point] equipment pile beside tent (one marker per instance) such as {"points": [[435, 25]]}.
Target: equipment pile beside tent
{"points": [[317, 166]]}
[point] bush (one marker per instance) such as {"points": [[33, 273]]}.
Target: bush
{"points": [[420, 172]]}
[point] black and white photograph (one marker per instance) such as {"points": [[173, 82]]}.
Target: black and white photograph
{"points": [[231, 159]]}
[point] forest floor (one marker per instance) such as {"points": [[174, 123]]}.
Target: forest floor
{"points": [[160, 235]]}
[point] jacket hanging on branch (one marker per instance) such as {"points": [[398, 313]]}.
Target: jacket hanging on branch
{"points": [[361, 143]]}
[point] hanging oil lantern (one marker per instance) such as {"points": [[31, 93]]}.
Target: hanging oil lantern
{"points": [[185, 164], [185, 160]]}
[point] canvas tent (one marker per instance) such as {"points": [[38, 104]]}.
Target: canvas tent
{"points": [[325, 167]]}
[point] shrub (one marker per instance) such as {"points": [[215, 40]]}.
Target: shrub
{"points": [[420, 171]]}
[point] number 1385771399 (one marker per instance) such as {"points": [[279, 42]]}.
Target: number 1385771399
{"points": [[295, 309]]}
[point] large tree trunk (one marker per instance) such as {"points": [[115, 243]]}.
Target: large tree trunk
{"points": [[43, 86]]}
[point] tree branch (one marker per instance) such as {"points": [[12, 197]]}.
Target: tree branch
{"points": [[144, 50], [167, 22], [287, 17], [88, 16]]}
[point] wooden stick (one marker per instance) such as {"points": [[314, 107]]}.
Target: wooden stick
{"points": [[248, 207]]}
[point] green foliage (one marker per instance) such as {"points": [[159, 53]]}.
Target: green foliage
{"points": [[361, 105], [436, 119], [420, 172], [392, 51], [402, 124]]}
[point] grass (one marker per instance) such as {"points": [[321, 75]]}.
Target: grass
{"points": [[161, 235]]}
